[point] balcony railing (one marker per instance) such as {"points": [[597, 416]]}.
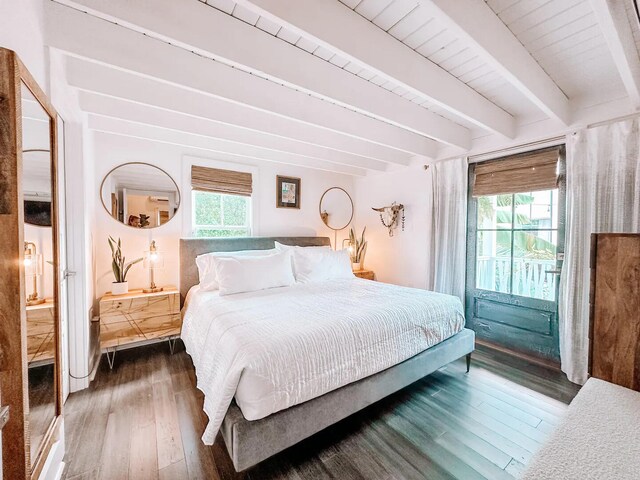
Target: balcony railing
{"points": [[530, 277]]}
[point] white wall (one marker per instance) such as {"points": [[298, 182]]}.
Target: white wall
{"points": [[22, 31], [404, 258], [112, 150]]}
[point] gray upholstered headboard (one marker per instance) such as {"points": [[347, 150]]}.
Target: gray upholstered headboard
{"points": [[190, 248]]}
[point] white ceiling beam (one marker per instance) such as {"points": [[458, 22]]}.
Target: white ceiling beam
{"points": [[477, 24], [144, 114], [615, 27], [336, 27], [208, 31], [126, 128], [101, 79], [89, 37]]}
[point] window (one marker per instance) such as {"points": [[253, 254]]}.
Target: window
{"points": [[221, 202], [221, 215], [517, 242]]}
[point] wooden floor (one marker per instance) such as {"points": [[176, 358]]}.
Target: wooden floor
{"points": [[144, 420]]}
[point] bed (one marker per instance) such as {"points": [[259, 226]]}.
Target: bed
{"points": [[278, 365]]}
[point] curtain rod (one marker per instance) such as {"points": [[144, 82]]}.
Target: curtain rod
{"points": [[547, 142], [614, 120], [523, 147]]}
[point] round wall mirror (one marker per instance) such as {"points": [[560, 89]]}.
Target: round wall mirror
{"points": [[336, 208], [140, 195]]}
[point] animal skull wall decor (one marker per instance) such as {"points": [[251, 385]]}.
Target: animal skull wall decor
{"points": [[389, 216]]}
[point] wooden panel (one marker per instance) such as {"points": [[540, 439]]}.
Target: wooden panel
{"points": [[615, 323], [514, 315], [366, 274], [41, 344], [40, 318], [13, 372], [135, 309], [116, 334], [160, 326], [138, 316], [46, 352], [137, 306]]}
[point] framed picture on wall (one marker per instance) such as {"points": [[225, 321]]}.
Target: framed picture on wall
{"points": [[287, 192]]}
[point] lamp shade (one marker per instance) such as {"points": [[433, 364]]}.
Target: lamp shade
{"points": [[153, 258], [33, 262]]}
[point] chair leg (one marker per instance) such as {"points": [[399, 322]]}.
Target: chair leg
{"points": [[468, 362]]}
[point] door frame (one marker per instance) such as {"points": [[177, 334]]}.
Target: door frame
{"points": [[549, 349]]}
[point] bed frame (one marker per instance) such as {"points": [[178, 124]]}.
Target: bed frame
{"points": [[250, 442]]}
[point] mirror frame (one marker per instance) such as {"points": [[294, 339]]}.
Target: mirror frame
{"points": [[13, 358], [352, 208], [150, 165]]}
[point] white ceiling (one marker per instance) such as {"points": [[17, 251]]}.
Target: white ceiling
{"points": [[330, 103]]}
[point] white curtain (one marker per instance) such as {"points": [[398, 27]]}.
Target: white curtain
{"points": [[603, 195], [449, 229]]}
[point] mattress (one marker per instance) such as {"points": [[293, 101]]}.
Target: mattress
{"points": [[277, 348]]}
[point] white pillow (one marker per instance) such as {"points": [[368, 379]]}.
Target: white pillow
{"points": [[318, 265], [206, 269], [293, 248], [282, 246], [248, 274]]}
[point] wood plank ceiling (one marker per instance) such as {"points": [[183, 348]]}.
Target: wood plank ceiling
{"points": [[325, 103]]}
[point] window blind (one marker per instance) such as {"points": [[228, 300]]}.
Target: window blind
{"points": [[216, 180], [526, 172]]}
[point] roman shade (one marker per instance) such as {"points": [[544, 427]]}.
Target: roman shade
{"points": [[526, 172], [216, 180]]}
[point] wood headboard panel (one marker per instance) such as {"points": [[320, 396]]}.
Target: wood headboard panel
{"points": [[190, 248]]}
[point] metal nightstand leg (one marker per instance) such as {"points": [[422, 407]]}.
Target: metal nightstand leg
{"points": [[111, 358], [172, 344]]}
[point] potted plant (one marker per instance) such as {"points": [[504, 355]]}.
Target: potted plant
{"points": [[357, 249], [120, 268]]}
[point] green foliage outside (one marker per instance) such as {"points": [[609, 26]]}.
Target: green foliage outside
{"points": [[214, 212], [217, 233], [526, 244]]}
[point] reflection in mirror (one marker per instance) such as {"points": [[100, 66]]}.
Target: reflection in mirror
{"points": [[38, 267], [336, 208], [140, 195]]}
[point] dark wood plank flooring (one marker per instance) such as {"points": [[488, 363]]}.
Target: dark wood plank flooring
{"points": [[144, 419]]}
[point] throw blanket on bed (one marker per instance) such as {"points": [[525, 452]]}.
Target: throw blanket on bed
{"points": [[280, 347]]}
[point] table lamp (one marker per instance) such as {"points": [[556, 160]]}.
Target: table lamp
{"points": [[33, 268], [153, 259]]}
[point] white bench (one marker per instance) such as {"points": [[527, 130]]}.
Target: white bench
{"points": [[599, 438]]}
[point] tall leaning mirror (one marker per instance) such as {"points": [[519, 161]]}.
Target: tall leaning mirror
{"points": [[29, 310]]}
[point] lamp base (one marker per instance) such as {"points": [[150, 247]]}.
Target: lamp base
{"points": [[152, 290], [35, 301]]}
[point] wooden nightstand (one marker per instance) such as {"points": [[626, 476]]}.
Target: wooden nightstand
{"points": [[137, 317], [366, 274], [41, 344]]}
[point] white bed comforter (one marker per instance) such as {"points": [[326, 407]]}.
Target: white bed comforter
{"points": [[280, 347]]}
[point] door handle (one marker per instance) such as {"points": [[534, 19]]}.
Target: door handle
{"points": [[68, 273], [555, 272], [4, 416]]}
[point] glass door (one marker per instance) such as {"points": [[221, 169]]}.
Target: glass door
{"points": [[515, 251]]}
